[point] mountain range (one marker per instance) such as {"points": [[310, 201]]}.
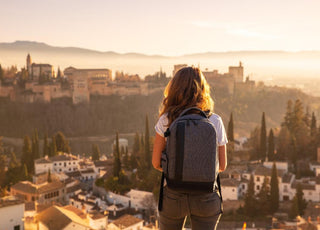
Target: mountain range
{"points": [[259, 65]]}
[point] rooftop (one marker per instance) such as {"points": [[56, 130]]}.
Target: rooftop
{"points": [[10, 201], [126, 221]]}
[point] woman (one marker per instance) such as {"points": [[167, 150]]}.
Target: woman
{"points": [[188, 88]]}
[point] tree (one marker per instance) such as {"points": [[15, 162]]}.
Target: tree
{"points": [[294, 210], [271, 147], [46, 147], [147, 151], [25, 174], [13, 160], [59, 74], [3, 162], [230, 135], [250, 200], [53, 147], [302, 204], [35, 145], [95, 152], [274, 190], [264, 198], [254, 143], [116, 157], [1, 74], [27, 156], [313, 126], [263, 138], [49, 176], [61, 142], [284, 140], [135, 152]]}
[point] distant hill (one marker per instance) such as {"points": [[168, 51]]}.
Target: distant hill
{"points": [[259, 65]]}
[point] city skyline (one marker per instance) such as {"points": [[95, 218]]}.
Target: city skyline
{"points": [[168, 28]]}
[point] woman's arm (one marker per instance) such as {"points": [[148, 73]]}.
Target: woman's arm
{"points": [[222, 158], [158, 147]]}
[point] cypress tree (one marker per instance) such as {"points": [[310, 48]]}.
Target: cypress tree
{"points": [[294, 210], [147, 151], [60, 142], [95, 152], [274, 190], [116, 156], [13, 160], [135, 152], [263, 138], [25, 175], [250, 200], [27, 158], [313, 126], [230, 133], [302, 204], [49, 176], [53, 147], [35, 145], [271, 146], [264, 198], [46, 148]]}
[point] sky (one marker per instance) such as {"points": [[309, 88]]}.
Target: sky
{"points": [[166, 27]]}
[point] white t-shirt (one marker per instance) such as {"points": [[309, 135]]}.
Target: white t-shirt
{"points": [[162, 126]]}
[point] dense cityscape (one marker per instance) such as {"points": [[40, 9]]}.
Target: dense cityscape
{"points": [[272, 178]]}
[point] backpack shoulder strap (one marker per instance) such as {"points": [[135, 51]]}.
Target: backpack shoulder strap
{"points": [[184, 112]]}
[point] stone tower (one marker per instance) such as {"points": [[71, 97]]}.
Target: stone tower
{"points": [[29, 62]]}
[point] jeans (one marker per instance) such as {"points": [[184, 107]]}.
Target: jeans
{"points": [[204, 210]]}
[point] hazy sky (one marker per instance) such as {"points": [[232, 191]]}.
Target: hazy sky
{"points": [[167, 27]]}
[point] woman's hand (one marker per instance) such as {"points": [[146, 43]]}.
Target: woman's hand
{"points": [[158, 147]]}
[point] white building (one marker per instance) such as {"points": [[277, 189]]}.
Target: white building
{"points": [[60, 163], [11, 213], [230, 188]]}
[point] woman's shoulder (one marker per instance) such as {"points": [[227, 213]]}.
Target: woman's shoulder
{"points": [[215, 117]]}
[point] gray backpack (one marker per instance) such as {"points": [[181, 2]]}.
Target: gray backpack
{"points": [[190, 160]]}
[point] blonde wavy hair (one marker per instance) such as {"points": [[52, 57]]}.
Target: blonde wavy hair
{"points": [[188, 88]]}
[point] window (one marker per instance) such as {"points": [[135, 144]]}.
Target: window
{"points": [[65, 164], [55, 164], [233, 190], [60, 163], [16, 227], [69, 163], [243, 186], [258, 178], [258, 187]]}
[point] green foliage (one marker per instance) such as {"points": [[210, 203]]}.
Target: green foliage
{"points": [[254, 143], [53, 147], [99, 182], [271, 146], [95, 152], [294, 209], [46, 147], [116, 157], [49, 179], [274, 190], [250, 201], [264, 198], [147, 152], [263, 138], [302, 204], [35, 145], [119, 184], [61, 143], [27, 157]]}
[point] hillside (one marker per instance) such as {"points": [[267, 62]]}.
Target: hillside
{"points": [[107, 114]]}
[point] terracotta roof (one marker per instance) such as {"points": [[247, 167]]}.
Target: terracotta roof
{"points": [[10, 201], [47, 187], [126, 221], [63, 157], [43, 161], [57, 218], [25, 186], [74, 188], [73, 174], [75, 210], [28, 187], [95, 215]]}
